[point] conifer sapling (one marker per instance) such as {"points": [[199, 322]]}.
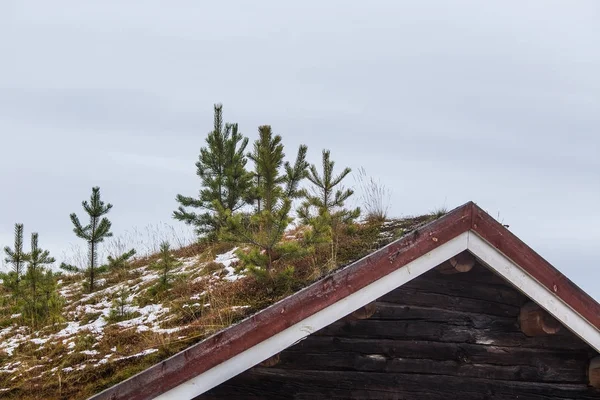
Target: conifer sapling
{"points": [[273, 193], [165, 265], [221, 167], [94, 233], [38, 258], [16, 258], [323, 205]]}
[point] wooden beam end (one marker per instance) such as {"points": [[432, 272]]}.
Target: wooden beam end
{"points": [[594, 372], [271, 361], [364, 312], [463, 262], [535, 321]]}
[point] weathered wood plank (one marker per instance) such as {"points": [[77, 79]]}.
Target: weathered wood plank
{"points": [[571, 371], [461, 352], [399, 312], [416, 297], [432, 282], [444, 332], [290, 384]]}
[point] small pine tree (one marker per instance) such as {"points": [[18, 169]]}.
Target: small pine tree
{"points": [[273, 194], [221, 167], [52, 301], [120, 306], [38, 258], [119, 264], [94, 233], [323, 206], [165, 265], [16, 258], [39, 297]]}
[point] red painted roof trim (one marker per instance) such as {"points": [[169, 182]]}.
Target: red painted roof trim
{"points": [[226, 344]]}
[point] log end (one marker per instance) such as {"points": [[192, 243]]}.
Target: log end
{"points": [[364, 312], [271, 361], [594, 372], [535, 321], [463, 262]]}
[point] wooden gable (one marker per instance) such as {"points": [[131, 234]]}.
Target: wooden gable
{"points": [[439, 336]]}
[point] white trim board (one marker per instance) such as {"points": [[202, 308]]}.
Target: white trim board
{"points": [[284, 339], [469, 240], [530, 287]]}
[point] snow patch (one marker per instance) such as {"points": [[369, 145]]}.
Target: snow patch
{"points": [[227, 259], [140, 354]]}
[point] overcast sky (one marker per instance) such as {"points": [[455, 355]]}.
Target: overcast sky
{"points": [[443, 101]]}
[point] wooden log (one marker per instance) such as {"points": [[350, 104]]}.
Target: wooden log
{"points": [[364, 312], [535, 321], [267, 384], [271, 361], [538, 369], [594, 372], [558, 361], [462, 262], [418, 297], [467, 288], [488, 333]]}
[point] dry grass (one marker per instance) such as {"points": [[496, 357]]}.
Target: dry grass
{"points": [[199, 303]]}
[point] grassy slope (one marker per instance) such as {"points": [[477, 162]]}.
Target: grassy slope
{"points": [[92, 349]]}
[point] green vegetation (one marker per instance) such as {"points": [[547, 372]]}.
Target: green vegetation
{"points": [[276, 185], [99, 322], [94, 233], [165, 265], [16, 258], [221, 167], [34, 298], [323, 206]]}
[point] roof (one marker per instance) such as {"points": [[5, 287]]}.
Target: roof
{"points": [[241, 346]]}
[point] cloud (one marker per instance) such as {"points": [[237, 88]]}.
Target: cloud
{"points": [[444, 102]]}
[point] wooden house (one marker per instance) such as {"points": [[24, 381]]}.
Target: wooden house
{"points": [[457, 309]]}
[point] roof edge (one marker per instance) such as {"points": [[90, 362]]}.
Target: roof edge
{"points": [[535, 265], [328, 290], [232, 341]]}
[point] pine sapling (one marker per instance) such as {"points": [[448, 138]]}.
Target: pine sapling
{"points": [[165, 265], [16, 258], [37, 261], [94, 233], [323, 205], [221, 167], [120, 310], [120, 263], [273, 194]]}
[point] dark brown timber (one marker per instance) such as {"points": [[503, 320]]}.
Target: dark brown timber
{"points": [[411, 349]]}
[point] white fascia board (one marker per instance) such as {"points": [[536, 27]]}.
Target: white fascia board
{"points": [[531, 288], [286, 338]]}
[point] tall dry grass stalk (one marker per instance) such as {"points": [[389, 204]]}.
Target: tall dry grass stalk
{"points": [[374, 196], [146, 241]]}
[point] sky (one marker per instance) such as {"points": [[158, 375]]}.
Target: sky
{"points": [[442, 102]]}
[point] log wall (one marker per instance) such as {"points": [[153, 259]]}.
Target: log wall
{"points": [[438, 337]]}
